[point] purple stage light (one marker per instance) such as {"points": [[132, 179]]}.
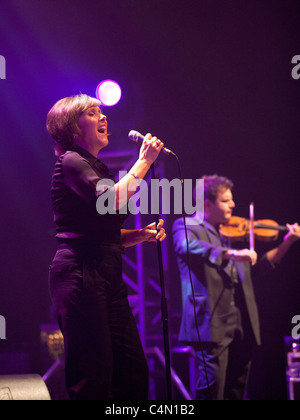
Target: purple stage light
{"points": [[108, 92]]}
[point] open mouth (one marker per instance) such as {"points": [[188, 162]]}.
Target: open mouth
{"points": [[102, 130]]}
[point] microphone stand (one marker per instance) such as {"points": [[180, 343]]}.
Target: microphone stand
{"points": [[164, 308]]}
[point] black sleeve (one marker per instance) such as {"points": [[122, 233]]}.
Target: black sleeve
{"points": [[82, 179], [199, 248]]}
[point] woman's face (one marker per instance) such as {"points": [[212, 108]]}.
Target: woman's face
{"points": [[93, 126]]}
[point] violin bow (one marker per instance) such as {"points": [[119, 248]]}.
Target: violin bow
{"points": [[251, 237]]}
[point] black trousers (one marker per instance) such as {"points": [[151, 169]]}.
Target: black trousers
{"points": [[227, 364], [103, 354]]}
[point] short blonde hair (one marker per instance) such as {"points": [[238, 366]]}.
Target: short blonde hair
{"points": [[62, 120]]}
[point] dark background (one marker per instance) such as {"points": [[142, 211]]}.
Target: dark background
{"points": [[211, 78]]}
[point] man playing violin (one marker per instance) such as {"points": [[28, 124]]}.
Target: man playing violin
{"points": [[217, 291]]}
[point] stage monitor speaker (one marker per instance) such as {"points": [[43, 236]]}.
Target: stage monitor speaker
{"points": [[23, 388]]}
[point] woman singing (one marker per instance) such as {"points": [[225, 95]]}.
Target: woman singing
{"points": [[103, 355]]}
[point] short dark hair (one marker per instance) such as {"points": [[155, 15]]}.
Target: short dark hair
{"points": [[213, 184]]}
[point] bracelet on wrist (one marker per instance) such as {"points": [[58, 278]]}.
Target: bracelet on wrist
{"points": [[135, 176]]}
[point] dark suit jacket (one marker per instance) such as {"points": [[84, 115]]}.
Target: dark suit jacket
{"points": [[212, 282]]}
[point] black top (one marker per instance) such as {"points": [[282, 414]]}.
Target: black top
{"points": [[74, 197]]}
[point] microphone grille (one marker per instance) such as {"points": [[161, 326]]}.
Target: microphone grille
{"points": [[135, 135]]}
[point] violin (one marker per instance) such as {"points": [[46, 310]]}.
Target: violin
{"points": [[239, 228]]}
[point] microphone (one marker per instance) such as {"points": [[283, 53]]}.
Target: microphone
{"points": [[139, 138]]}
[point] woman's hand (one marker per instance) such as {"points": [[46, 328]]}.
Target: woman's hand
{"points": [[150, 148], [153, 233]]}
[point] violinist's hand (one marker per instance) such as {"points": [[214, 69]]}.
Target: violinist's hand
{"points": [[275, 255], [151, 233], [242, 255], [293, 234]]}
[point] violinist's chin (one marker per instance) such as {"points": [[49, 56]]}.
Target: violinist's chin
{"points": [[227, 217]]}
